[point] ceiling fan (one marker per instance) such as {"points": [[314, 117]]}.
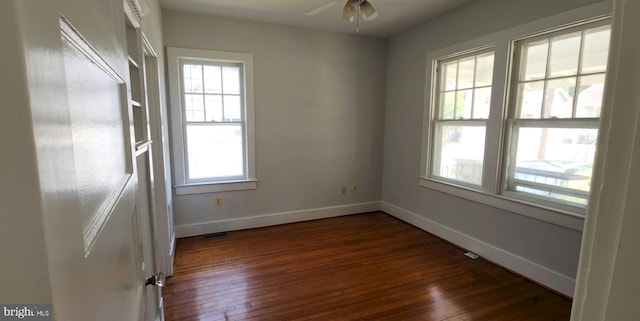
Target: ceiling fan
{"points": [[351, 11]]}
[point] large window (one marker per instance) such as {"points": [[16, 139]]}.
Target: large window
{"points": [[212, 109], [558, 85], [463, 88], [512, 117]]}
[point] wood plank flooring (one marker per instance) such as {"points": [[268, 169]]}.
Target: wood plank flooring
{"points": [[359, 267]]}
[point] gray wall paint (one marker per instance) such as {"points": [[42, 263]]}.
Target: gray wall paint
{"points": [[551, 246], [319, 108]]}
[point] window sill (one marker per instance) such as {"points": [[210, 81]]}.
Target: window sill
{"points": [[569, 220], [217, 187]]}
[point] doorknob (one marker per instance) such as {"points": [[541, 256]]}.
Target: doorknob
{"points": [[156, 280]]}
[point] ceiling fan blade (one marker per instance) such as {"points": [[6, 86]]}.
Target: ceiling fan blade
{"points": [[322, 7], [368, 11]]}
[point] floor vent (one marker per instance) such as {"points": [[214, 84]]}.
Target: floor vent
{"points": [[471, 255], [215, 236]]}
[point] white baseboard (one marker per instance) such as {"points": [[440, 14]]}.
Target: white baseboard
{"points": [[513, 262], [273, 219]]}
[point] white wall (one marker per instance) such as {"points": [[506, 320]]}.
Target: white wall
{"points": [[544, 247], [319, 108]]}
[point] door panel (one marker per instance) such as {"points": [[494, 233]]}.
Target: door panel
{"points": [[83, 143], [102, 278], [97, 105]]}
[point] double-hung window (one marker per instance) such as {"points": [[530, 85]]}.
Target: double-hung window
{"points": [[212, 120], [463, 99], [557, 90], [512, 118]]}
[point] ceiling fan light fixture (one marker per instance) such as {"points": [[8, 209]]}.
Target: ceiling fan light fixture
{"points": [[368, 11], [350, 10]]}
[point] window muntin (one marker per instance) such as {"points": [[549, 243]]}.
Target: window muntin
{"points": [[213, 120], [555, 116], [463, 100]]}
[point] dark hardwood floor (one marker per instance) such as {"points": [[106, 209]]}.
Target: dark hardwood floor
{"points": [[359, 267]]}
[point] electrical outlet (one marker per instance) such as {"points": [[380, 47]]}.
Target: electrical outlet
{"points": [[354, 187], [343, 190], [218, 201]]}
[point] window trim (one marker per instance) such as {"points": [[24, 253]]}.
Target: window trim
{"points": [[182, 185], [497, 134]]}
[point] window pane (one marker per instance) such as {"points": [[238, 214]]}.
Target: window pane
{"points": [[534, 60], [194, 107], [461, 153], [213, 104], [214, 151], [192, 78], [559, 98], [447, 105], [555, 163], [590, 96], [464, 103], [484, 70], [232, 110], [466, 71], [231, 80], [565, 51], [481, 103], [449, 76], [596, 49], [530, 99], [212, 80]]}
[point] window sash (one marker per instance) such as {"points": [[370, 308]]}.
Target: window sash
{"points": [[514, 80], [204, 94], [440, 74], [213, 123], [436, 152], [438, 121], [511, 182], [215, 178]]}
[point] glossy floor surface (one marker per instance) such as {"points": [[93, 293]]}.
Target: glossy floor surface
{"points": [[359, 267]]}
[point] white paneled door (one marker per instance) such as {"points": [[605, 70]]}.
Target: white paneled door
{"points": [[97, 230]]}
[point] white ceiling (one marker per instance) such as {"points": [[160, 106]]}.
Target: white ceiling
{"points": [[395, 15]]}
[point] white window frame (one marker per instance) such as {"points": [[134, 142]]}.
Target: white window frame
{"points": [[491, 192], [436, 119], [198, 56], [513, 122]]}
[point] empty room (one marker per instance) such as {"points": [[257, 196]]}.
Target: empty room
{"points": [[320, 160]]}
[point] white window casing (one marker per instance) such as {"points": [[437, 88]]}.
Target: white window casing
{"points": [[192, 111], [501, 124]]}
